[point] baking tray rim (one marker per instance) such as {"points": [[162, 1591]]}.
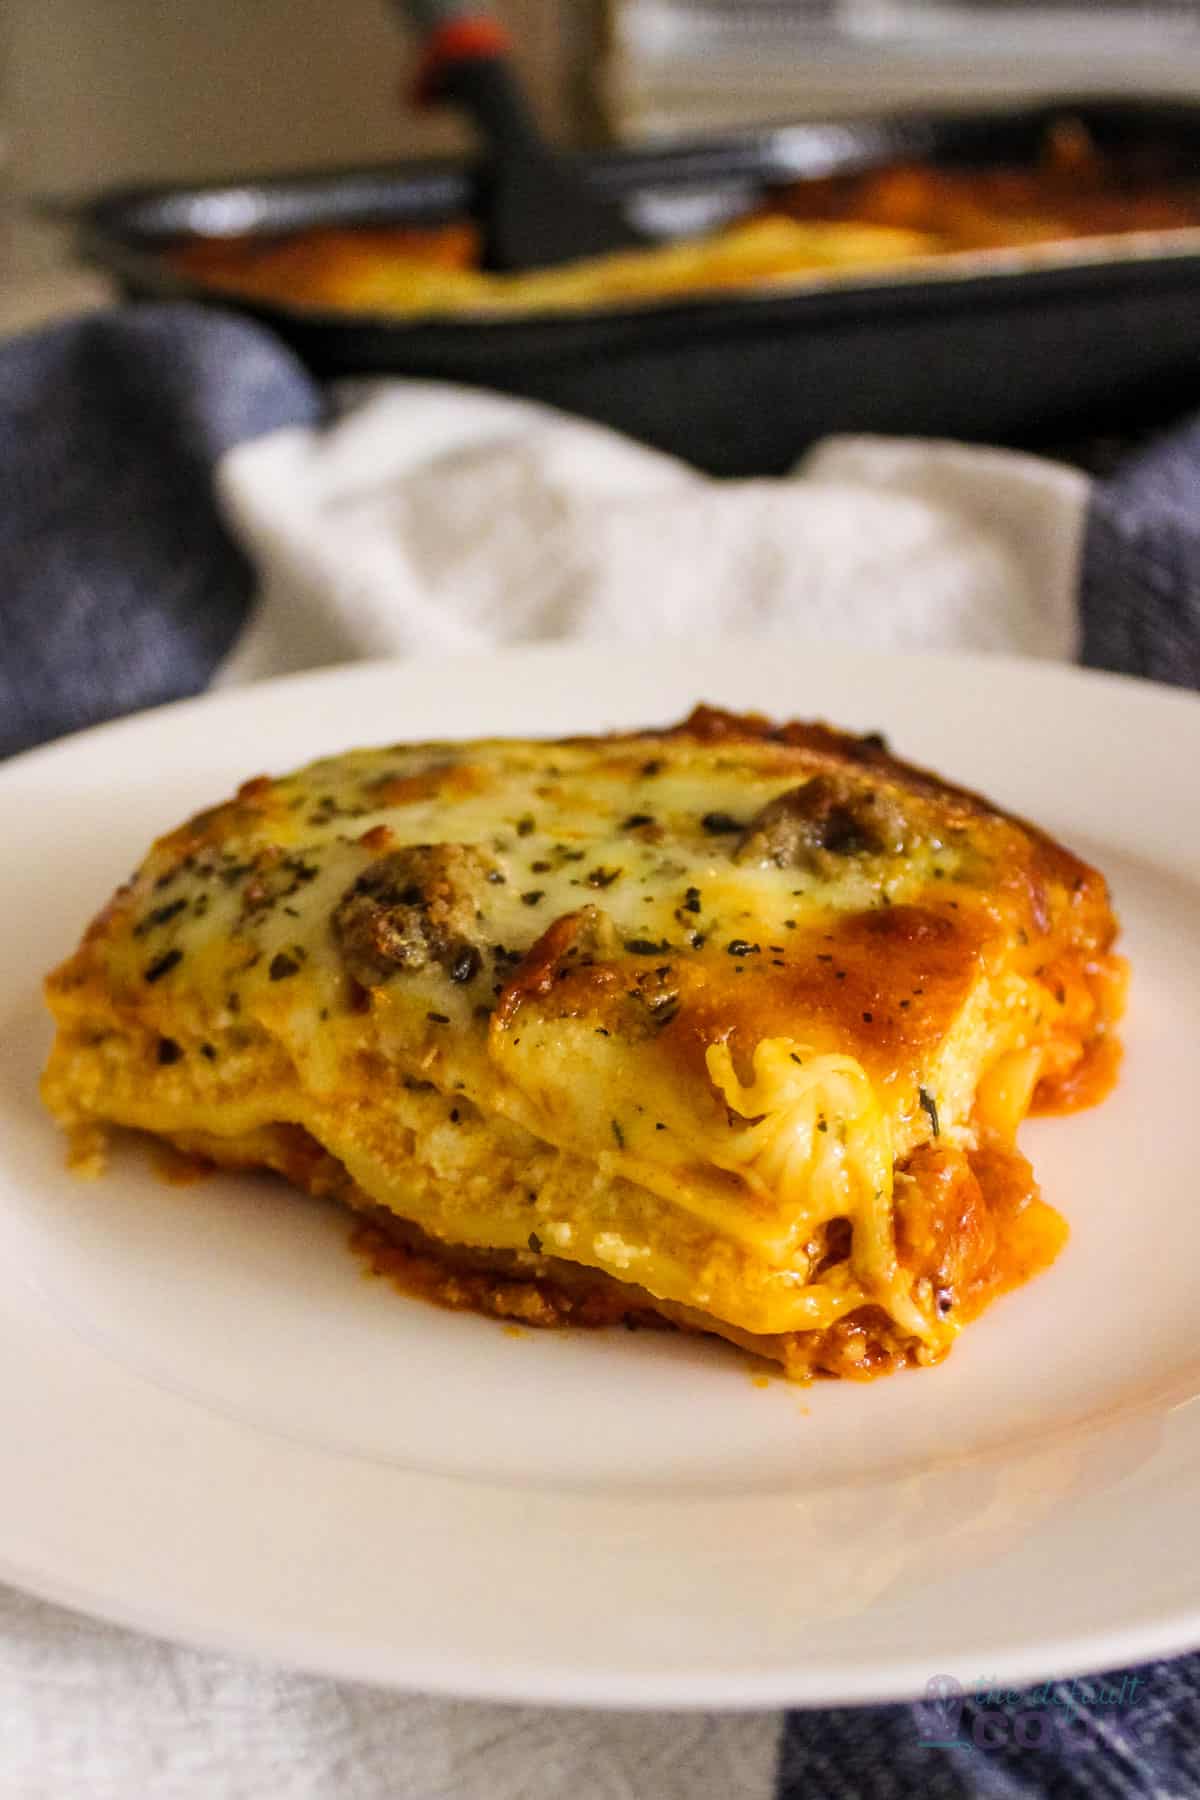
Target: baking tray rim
{"points": [[98, 222]]}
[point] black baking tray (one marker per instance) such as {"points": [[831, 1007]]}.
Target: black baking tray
{"points": [[1016, 348]]}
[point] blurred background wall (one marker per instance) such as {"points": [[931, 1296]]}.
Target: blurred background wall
{"points": [[117, 89], [696, 64]]}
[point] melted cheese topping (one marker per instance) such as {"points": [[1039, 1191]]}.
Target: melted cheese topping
{"points": [[389, 271], [673, 1007]]}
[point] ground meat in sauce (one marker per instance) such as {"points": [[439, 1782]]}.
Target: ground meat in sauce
{"points": [[410, 908], [577, 965], [944, 1230], [815, 826]]}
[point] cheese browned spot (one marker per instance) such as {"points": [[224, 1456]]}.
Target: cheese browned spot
{"points": [[731, 1025]]}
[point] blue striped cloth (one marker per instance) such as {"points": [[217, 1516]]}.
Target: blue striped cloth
{"points": [[122, 587]]}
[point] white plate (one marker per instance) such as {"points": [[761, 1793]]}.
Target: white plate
{"points": [[215, 1428]]}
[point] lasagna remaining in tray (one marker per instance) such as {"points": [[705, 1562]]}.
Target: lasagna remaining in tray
{"points": [[728, 1027], [868, 219]]}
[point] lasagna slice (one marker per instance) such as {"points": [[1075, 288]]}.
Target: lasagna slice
{"points": [[729, 1026]]}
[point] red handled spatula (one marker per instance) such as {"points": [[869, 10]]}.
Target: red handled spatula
{"points": [[536, 208]]}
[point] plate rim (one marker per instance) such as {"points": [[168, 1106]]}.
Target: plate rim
{"points": [[234, 693]]}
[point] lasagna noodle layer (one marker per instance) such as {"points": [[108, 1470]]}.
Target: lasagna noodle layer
{"points": [[985, 1209]]}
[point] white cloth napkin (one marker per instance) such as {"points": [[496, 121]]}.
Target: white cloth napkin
{"points": [[435, 519]]}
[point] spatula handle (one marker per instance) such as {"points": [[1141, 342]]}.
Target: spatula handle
{"points": [[465, 59], [453, 33]]}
